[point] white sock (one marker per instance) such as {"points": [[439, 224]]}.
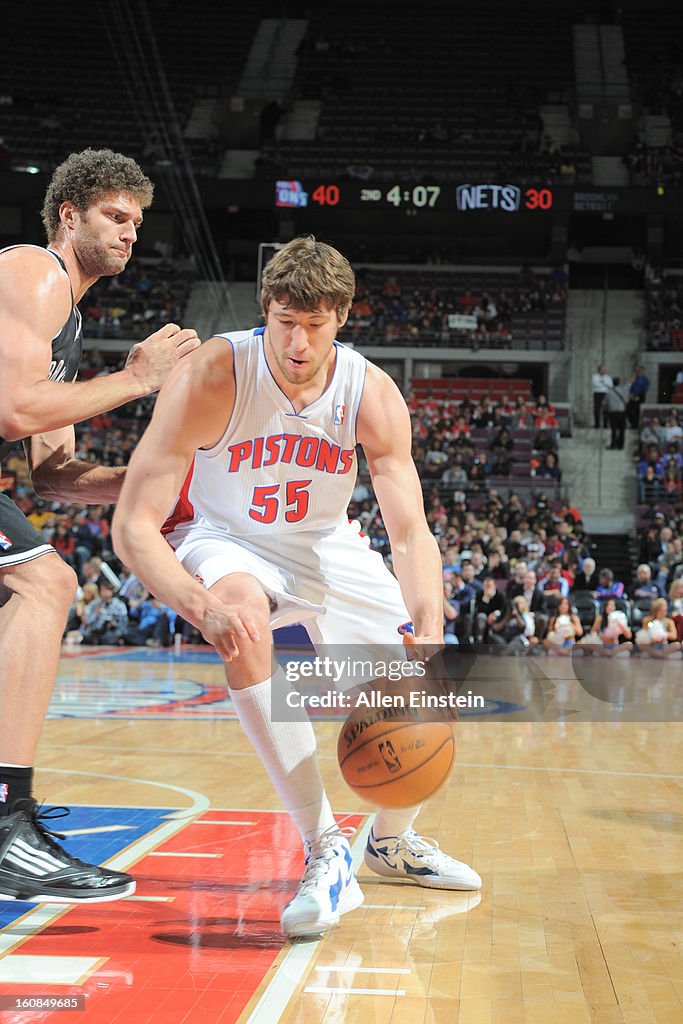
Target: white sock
{"points": [[394, 821], [288, 752]]}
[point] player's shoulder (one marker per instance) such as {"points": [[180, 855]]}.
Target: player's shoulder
{"points": [[379, 386], [251, 336], [221, 350], [27, 267], [382, 413], [31, 258], [34, 286]]}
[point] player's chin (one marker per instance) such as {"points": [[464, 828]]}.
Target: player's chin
{"points": [[112, 265]]}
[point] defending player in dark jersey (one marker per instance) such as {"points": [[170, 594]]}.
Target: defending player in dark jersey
{"points": [[93, 208]]}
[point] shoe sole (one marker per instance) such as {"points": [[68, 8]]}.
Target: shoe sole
{"points": [[424, 881], [351, 900], [91, 896]]}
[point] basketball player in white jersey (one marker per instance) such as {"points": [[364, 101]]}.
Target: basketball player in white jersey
{"points": [[256, 432], [92, 211]]}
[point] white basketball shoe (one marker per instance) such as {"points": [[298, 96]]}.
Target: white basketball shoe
{"points": [[327, 890], [418, 859]]}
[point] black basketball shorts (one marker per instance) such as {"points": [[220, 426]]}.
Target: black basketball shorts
{"points": [[19, 542]]}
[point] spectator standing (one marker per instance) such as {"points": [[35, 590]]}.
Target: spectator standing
{"points": [[615, 403], [601, 382], [637, 395]]}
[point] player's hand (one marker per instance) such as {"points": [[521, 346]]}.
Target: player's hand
{"points": [[422, 648], [152, 360], [227, 627]]}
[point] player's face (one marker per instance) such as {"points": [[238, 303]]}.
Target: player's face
{"points": [[301, 341], [105, 233]]}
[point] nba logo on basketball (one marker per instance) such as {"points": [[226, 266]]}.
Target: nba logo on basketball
{"points": [[6, 543], [339, 413]]}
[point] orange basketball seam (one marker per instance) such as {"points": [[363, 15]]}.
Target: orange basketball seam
{"points": [[404, 775], [393, 728]]}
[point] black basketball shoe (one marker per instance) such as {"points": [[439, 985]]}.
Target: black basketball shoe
{"points": [[34, 867]]}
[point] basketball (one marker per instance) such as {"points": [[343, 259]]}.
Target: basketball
{"points": [[395, 761]]}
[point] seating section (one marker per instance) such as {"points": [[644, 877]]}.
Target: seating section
{"points": [[654, 66], [521, 309], [457, 389], [659, 464], [91, 97], [664, 297], [472, 435], [653, 58], [400, 99], [137, 302]]}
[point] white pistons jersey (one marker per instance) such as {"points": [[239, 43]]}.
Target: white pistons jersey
{"points": [[277, 480]]}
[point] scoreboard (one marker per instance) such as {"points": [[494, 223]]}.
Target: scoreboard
{"points": [[352, 195], [469, 197]]}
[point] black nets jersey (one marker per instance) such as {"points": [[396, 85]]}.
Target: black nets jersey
{"points": [[66, 349]]}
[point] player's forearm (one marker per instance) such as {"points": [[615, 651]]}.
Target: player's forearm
{"points": [[80, 481], [49, 405], [417, 563], [142, 548]]}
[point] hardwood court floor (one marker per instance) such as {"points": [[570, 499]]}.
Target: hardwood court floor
{"points": [[574, 824]]}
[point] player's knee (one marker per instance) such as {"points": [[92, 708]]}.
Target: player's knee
{"points": [[52, 580]]}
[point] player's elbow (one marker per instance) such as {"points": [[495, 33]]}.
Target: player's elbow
{"points": [[12, 425], [120, 535], [126, 535]]}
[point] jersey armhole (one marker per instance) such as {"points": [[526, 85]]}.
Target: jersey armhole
{"points": [[216, 448], [360, 399]]}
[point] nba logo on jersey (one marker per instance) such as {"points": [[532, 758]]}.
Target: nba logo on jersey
{"points": [[4, 792], [6, 543], [339, 413]]}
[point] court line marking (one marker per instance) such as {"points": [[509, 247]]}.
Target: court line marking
{"points": [[327, 990], [291, 970], [575, 771], [138, 849], [338, 968], [389, 906], [45, 914], [151, 899], [333, 757], [212, 821], [269, 810]]}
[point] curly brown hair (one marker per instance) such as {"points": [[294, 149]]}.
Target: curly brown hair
{"points": [[311, 274], [84, 177]]}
